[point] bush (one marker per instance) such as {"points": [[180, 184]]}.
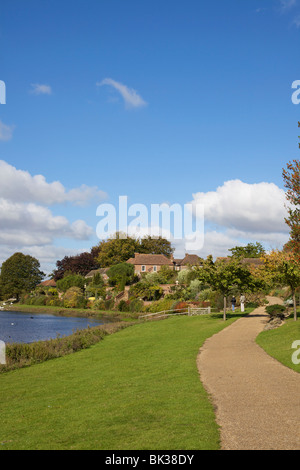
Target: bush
{"points": [[74, 298], [136, 306], [41, 300], [276, 310], [123, 306]]}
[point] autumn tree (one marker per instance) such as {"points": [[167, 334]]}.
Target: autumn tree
{"points": [[291, 177], [280, 267]]}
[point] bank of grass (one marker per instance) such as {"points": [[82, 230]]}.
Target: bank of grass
{"points": [[137, 389], [20, 355], [278, 342]]}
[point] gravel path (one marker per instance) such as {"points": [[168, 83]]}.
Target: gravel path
{"points": [[257, 399]]}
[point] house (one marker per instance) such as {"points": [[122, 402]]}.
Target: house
{"points": [[50, 283], [189, 261], [102, 271], [149, 263]]}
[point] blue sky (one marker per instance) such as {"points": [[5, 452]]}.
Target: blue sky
{"points": [[160, 101]]}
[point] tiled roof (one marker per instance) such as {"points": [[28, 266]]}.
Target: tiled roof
{"points": [[50, 283], [146, 259], [192, 260]]}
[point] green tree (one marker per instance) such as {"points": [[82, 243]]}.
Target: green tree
{"points": [[116, 250], [20, 273], [120, 275], [249, 251], [224, 276], [155, 246], [71, 280], [120, 248]]}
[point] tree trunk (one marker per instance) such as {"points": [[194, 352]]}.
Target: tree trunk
{"points": [[225, 305], [295, 306]]}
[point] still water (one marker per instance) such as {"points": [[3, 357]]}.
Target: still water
{"points": [[19, 327]]}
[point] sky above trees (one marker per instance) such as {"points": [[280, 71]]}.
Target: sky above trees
{"points": [[164, 102]]}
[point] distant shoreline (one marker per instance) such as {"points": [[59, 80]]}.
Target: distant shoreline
{"points": [[109, 315]]}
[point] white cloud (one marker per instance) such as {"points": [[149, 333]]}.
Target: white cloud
{"points": [[40, 89], [246, 207], [27, 223], [6, 132], [32, 224], [131, 98], [237, 213], [20, 185]]}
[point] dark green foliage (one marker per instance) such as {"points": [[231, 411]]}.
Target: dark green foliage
{"points": [[72, 280], [19, 273], [275, 310]]}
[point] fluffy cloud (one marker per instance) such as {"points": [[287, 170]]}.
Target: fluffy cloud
{"points": [[27, 223], [237, 213], [19, 185], [245, 207], [131, 98]]}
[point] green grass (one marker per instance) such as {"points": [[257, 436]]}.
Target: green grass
{"points": [[137, 389], [278, 343]]}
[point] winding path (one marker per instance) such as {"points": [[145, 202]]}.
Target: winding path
{"points": [[257, 399]]}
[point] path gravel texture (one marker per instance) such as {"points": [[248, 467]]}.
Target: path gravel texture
{"points": [[257, 399]]}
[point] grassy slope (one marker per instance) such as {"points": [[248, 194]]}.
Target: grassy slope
{"points": [[137, 389], [278, 343]]}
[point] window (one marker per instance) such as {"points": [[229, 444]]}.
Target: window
{"points": [[155, 269], [143, 269]]}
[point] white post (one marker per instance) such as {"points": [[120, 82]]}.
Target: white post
{"points": [[2, 353]]}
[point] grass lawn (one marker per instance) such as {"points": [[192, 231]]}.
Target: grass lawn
{"points": [[278, 343], [137, 389]]}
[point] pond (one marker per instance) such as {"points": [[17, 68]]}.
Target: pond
{"points": [[20, 327]]}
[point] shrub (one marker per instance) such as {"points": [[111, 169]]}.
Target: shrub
{"points": [[74, 298], [123, 306], [41, 300], [276, 310], [136, 306]]}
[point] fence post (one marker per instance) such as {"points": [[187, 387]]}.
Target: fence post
{"points": [[189, 311]]}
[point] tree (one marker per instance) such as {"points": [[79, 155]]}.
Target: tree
{"points": [[116, 250], [71, 280], [249, 251], [280, 267], [119, 248], [20, 273], [79, 264], [155, 246], [291, 177], [120, 275], [225, 275]]}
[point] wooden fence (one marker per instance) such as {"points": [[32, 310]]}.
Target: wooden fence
{"points": [[190, 311]]}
